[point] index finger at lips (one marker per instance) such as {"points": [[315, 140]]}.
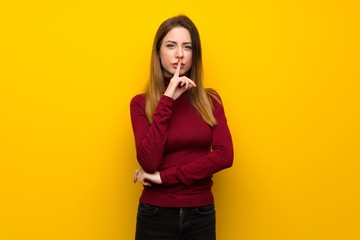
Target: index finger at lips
{"points": [[177, 72]]}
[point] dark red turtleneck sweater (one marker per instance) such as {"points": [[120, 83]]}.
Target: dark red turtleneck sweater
{"points": [[183, 148]]}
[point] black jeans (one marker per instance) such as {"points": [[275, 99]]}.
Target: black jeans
{"points": [[161, 223]]}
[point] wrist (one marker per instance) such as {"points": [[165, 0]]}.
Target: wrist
{"points": [[158, 178], [169, 94]]}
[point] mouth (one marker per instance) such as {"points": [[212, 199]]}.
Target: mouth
{"points": [[176, 64]]}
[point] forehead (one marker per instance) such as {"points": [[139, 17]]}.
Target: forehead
{"points": [[178, 34]]}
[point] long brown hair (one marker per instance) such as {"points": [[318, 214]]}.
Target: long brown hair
{"points": [[199, 97]]}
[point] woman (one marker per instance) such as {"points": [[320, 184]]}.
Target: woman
{"points": [[181, 138]]}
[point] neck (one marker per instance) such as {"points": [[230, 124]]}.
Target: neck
{"points": [[167, 81]]}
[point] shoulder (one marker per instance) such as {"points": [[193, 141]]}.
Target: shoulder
{"points": [[138, 100], [217, 104], [214, 96]]}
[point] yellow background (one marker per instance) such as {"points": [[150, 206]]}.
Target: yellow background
{"points": [[288, 73]]}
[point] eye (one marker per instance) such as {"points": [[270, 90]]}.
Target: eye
{"points": [[170, 45], [188, 47]]}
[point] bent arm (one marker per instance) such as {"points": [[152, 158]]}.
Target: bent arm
{"points": [[220, 157], [150, 138]]}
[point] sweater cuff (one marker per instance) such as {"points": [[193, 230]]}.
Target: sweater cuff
{"points": [[166, 99], [168, 177], [165, 102]]}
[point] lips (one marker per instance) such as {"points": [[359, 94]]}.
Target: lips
{"points": [[176, 64]]}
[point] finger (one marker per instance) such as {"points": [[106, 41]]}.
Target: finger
{"points": [[186, 85], [177, 72], [135, 174], [190, 81], [144, 183]]}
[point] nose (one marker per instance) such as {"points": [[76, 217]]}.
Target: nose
{"points": [[179, 53]]}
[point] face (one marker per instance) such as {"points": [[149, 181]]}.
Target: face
{"points": [[176, 45]]}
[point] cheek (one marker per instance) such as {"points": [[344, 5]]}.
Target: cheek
{"points": [[190, 59], [164, 58], [189, 56], [165, 62]]}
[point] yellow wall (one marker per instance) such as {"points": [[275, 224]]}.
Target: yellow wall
{"points": [[288, 73]]}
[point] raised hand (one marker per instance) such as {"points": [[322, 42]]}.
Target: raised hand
{"points": [[178, 85]]}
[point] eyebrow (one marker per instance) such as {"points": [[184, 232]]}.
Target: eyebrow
{"points": [[169, 41]]}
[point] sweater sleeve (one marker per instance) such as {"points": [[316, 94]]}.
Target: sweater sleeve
{"points": [[220, 157], [150, 138]]}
